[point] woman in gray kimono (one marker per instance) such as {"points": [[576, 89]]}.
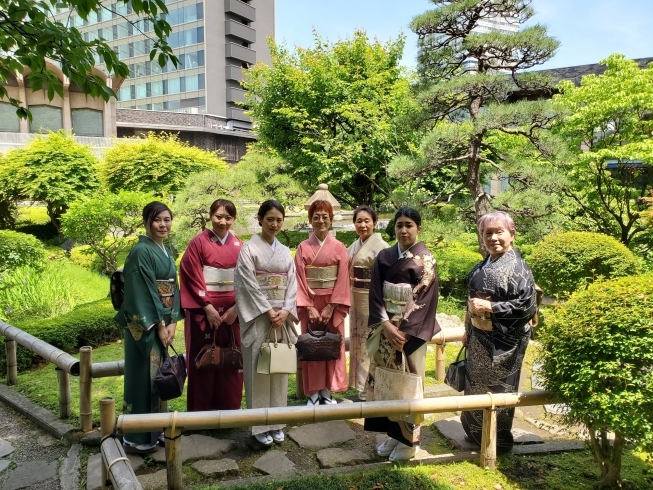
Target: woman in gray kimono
{"points": [[266, 293]]}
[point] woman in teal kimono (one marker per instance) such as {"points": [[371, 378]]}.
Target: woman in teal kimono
{"points": [[149, 315]]}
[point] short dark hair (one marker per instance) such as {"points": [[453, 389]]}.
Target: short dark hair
{"points": [[267, 206], [365, 208], [229, 206], [409, 212], [320, 205], [152, 210]]}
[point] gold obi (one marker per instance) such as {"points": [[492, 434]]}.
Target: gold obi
{"points": [[273, 285], [166, 290], [481, 322], [396, 296], [362, 277], [218, 279], [321, 277]]}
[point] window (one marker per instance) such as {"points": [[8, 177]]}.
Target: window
{"points": [[157, 88], [87, 122], [8, 118], [125, 93], [191, 83], [141, 91], [45, 117], [174, 86]]}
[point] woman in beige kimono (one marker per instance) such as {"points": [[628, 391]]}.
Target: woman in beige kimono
{"points": [[361, 259], [266, 292]]}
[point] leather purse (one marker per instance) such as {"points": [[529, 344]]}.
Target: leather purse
{"points": [[213, 356], [170, 378], [456, 373], [278, 357], [319, 345]]}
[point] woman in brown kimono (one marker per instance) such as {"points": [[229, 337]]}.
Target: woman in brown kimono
{"points": [[403, 301]]}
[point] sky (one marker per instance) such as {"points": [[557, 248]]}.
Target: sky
{"points": [[588, 30]]}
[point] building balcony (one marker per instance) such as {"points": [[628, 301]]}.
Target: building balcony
{"points": [[234, 72], [235, 94], [241, 31], [238, 114], [239, 52], [245, 10]]}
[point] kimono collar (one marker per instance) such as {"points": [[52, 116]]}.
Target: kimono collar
{"points": [[402, 254], [215, 238]]}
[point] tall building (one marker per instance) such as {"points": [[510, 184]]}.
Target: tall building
{"points": [[215, 40]]}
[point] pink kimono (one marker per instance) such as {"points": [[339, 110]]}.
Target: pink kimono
{"points": [[324, 374]]}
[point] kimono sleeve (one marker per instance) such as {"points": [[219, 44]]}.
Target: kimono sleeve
{"points": [[250, 301], [290, 301], [303, 297], [142, 304], [521, 307], [340, 294], [377, 306], [193, 288]]}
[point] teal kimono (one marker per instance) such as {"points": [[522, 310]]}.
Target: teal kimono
{"points": [[151, 296]]}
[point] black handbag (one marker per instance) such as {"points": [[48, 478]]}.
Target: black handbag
{"points": [[318, 346], [169, 380], [456, 372]]}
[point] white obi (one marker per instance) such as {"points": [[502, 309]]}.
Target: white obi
{"points": [[321, 277], [218, 279], [397, 296], [273, 285]]}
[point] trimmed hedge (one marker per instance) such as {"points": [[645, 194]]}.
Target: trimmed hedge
{"points": [[20, 250], [565, 262], [88, 324], [83, 257], [454, 264]]}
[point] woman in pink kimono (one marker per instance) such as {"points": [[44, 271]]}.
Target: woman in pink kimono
{"points": [[323, 302]]}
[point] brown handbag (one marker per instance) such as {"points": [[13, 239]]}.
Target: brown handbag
{"points": [[318, 346], [212, 356]]}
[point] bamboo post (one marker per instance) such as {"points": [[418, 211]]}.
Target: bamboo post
{"points": [[299, 382], [107, 426], [64, 393], [85, 386], [489, 439], [12, 365], [440, 367], [173, 455]]}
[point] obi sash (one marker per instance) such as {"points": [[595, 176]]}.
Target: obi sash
{"points": [[218, 279], [166, 290], [397, 296], [362, 277], [321, 277], [273, 285]]}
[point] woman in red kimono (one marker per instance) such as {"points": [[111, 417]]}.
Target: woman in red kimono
{"points": [[207, 295], [324, 302]]}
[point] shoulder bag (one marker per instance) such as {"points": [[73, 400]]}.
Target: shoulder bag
{"points": [[319, 345], [212, 356], [456, 372], [278, 357], [395, 384], [169, 380]]}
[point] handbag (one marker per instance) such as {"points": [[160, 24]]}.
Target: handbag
{"points": [[213, 356], [169, 380], [277, 357], [319, 345], [456, 372], [395, 384]]}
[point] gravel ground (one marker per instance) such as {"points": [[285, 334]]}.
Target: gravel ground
{"points": [[31, 444]]}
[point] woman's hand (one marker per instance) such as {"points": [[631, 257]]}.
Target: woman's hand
{"points": [[326, 314], [313, 315], [464, 339], [396, 337], [162, 332], [171, 332], [230, 316], [280, 318], [213, 316], [480, 306]]}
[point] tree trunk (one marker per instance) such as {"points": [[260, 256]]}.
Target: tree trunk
{"points": [[608, 457]]}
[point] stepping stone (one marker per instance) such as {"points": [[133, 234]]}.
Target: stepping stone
{"points": [[198, 446], [452, 429], [274, 463], [537, 383], [523, 437], [4, 464], [94, 469], [69, 472], [30, 473], [46, 441], [216, 468], [154, 481], [5, 448], [332, 457], [323, 434], [557, 409]]}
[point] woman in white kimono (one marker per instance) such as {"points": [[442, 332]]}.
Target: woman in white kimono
{"points": [[266, 292], [361, 259]]}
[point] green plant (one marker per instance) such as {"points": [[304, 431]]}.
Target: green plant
{"points": [[454, 264], [83, 256], [20, 250], [565, 262], [597, 358]]}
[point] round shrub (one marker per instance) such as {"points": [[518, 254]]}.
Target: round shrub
{"points": [[565, 262], [19, 249], [454, 263], [83, 256], [598, 359]]}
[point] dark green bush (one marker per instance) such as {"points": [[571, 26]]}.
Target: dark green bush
{"points": [[20, 250], [42, 231], [598, 358], [88, 324], [454, 264], [565, 262]]}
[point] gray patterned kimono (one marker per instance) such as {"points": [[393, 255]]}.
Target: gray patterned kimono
{"points": [[494, 357], [252, 303]]}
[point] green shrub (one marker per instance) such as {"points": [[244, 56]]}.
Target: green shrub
{"points": [[454, 264], [20, 250], [88, 324], [565, 262], [83, 256], [42, 231], [598, 359]]}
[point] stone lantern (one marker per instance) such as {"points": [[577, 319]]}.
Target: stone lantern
{"points": [[322, 194]]}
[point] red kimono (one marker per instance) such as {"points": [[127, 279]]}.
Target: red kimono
{"points": [[209, 389], [324, 374]]}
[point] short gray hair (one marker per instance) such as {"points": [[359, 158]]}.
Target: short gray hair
{"points": [[500, 217]]}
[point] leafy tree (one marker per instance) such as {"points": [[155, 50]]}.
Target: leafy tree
{"points": [[329, 112], [467, 79], [7, 198], [158, 164], [53, 169], [608, 118], [30, 36], [105, 223]]}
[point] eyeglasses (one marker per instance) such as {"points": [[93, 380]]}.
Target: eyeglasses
{"points": [[317, 217]]}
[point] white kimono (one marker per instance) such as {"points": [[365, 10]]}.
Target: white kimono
{"points": [[252, 304]]}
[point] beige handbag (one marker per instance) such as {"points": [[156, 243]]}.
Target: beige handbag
{"points": [[278, 357], [395, 384]]}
